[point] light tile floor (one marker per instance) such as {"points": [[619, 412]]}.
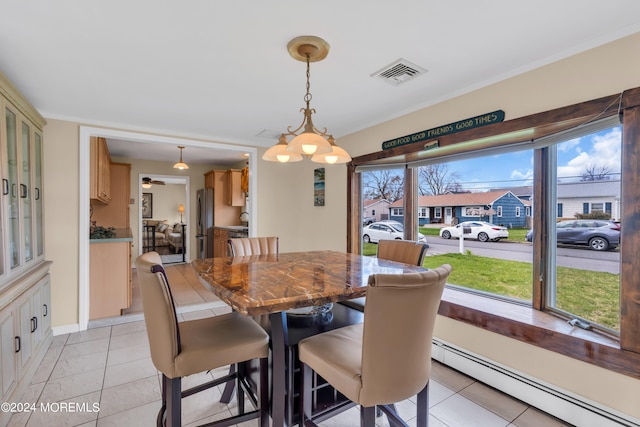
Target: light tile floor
{"points": [[109, 369]]}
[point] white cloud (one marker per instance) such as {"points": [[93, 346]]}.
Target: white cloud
{"points": [[601, 150]]}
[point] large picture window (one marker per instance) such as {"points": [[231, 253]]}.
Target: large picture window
{"points": [[588, 281], [585, 283]]}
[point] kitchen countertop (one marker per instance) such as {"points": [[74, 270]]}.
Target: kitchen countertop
{"points": [[233, 227], [122, 235]]}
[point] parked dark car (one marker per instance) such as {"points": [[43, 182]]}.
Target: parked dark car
{"points": [[598, 234]]}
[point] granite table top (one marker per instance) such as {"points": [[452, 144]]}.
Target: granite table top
{"points": [[264, 284]]}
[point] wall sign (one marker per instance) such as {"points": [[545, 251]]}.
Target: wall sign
{"points": [[459, 126]]}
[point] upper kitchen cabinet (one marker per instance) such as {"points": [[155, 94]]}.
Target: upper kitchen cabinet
{"points": [[223, 212], [100, 186], [22, 234], [235, 195]]}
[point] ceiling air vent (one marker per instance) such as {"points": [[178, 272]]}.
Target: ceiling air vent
{"points": [[399, 71]]}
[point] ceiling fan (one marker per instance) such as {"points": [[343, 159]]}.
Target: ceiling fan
{"points": [[148, 182]]}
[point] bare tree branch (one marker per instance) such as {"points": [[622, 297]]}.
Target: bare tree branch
{"points": [[383, 184], [594, 172], [437, 179]]}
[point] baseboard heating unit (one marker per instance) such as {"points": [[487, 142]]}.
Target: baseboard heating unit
{"points": [[562, 404]]}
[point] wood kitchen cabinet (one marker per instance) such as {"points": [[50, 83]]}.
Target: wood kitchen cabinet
{"points": [[220, 237], [116, 213], [235, 195], [100, 185], [110, 278], [223, 212]]}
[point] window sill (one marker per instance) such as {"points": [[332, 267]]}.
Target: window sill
{"points": [[540, 329]]}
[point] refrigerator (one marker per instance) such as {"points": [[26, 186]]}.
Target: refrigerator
{"points": [[204, 223]]}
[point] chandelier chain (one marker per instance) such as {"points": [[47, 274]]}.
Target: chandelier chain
{"points": [[307, 96]]}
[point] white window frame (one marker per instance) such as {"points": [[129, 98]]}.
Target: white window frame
{"points": [[499, 211], [517, 211]]}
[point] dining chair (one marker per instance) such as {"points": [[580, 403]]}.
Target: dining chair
{"points": [[405, 251], [247, 246], [179, 349], [384, 360]]}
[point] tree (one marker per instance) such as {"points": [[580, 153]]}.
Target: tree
{"points": [[437, 179], [594, 172], [383, 184]]}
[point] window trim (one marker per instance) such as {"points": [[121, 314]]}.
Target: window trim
{"points": [[621, 355]]}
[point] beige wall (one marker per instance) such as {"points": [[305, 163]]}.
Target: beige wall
{"points": [[284, 202]]}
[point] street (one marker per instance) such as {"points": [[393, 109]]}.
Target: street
{"points": [[573, 257]]}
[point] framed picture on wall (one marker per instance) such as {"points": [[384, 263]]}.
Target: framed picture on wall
{"points": [[318, 187], [147, 205]]}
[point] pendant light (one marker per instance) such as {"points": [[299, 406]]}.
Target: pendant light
{"points": [[181, 165], [307, 139]]}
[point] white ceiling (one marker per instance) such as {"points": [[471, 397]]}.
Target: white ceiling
{"points": [[219, 69]]}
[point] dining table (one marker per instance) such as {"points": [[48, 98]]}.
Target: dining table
{"points": [[293, 291]]}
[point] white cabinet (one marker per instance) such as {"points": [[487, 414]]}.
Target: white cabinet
{"points": [[21, 210], [25, 299], [25, 334], [8, 345]]}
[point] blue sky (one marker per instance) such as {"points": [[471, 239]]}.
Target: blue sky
{"points": [[516, 169]]}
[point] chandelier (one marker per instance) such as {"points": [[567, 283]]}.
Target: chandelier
{"points": [[307, 139]]}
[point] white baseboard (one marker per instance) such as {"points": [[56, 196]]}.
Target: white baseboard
{"points": [[562, 404], [66, 329]]}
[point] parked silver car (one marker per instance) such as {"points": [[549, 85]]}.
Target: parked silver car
{"points": [[598, 234]]}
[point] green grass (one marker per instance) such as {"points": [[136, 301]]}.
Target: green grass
{"points": [[591, 295]]}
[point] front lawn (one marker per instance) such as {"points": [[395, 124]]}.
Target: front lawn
{"points": [[591, 295]]}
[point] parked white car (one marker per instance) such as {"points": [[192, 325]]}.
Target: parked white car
{"points": [[377, 231], [480, 230]]}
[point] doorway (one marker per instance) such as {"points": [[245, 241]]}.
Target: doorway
{"points": [[163, 216], [86, 132]]}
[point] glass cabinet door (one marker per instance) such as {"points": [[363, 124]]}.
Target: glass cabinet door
{"points": [[11, 188], [37, 196], [25, 189]]}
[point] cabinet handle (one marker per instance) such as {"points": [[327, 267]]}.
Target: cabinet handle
{"points": [[18, 346], [34, 324], [46, 310], [5, 186], [37, 193], [13, 190], [23, 191]]}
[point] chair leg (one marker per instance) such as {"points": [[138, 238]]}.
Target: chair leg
{"points": [[367, 416], [423, 407], [242, 372], [229, 387], [173, 396], [305, 394], [264, 392]]}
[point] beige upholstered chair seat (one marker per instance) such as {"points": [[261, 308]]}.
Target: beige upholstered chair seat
{"points": [[218, 341]]}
